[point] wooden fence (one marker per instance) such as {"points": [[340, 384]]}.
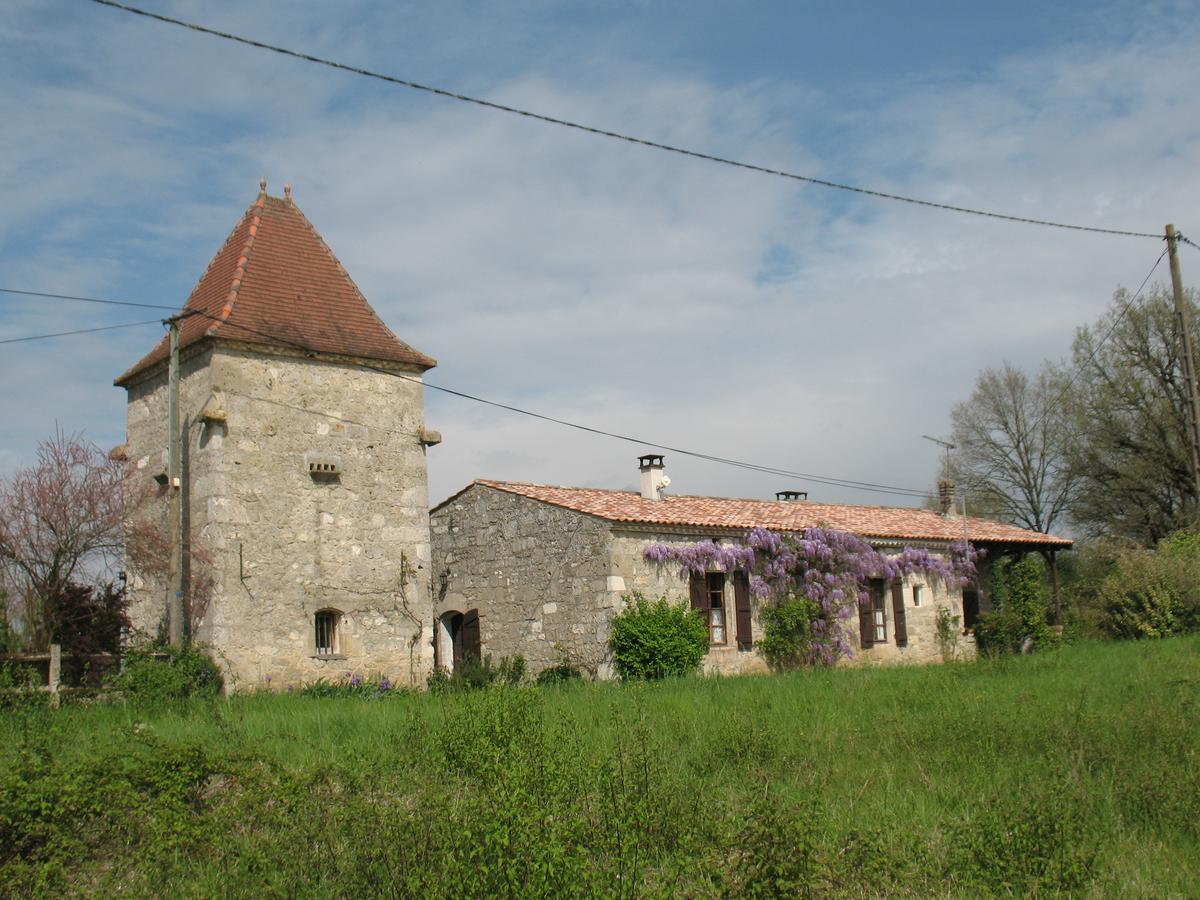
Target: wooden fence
{"points": [[49, 665]]}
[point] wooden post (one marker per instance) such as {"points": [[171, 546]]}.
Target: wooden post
{"points": [[175, 492], [54, 676], [1189, 361]]}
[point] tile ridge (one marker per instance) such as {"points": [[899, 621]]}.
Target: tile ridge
{"points": [[255, 211]]}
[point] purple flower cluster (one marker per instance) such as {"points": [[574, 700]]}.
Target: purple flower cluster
{"points": [[831, 568], [700, 558]]}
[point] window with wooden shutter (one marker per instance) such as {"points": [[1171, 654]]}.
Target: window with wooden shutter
{"points": [[866, 631], [698, 590], [741, 603], [901, 625]]}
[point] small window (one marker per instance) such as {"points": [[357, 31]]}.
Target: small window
{"points": [[327, 623], [716, 607], [918, 591]]}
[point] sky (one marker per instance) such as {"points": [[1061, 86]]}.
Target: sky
{"points": [[675, 300]]}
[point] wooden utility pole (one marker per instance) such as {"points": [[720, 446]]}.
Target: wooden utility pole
{"points": [[175, 630], [1189, 361]]}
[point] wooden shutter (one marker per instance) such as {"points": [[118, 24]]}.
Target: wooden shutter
{"points": [[741, 602], [698, 588], [866, 623], [901, 625], [472, 646]]}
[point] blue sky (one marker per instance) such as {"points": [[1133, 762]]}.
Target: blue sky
{"points": [[636, 291]]}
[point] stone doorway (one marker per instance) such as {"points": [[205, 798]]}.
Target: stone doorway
{"points": [[458, 639]]}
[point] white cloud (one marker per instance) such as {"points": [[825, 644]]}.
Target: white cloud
{"points": [[605, 283]]}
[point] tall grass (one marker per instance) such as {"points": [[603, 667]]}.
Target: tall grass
{"points": [[1075, 772]]}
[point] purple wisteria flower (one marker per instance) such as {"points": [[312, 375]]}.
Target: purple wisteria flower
{"points": [[830, 568]]}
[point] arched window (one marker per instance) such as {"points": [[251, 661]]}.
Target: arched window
{"points": [[327, 623]]}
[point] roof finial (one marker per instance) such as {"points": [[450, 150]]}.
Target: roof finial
{"points": [[262, 185], [287, 191]]}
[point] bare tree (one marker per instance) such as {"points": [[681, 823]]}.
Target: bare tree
{"points": [[60, 521], [1013, 437]]}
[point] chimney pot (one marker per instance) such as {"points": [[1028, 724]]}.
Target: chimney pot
{"points": [[791, 496]]}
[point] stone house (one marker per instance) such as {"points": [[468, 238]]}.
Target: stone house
{"points": [[303, 487], [540, 570]]}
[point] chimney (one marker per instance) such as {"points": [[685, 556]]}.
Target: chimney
{"points": [[945, 495], [653, 479], [791, 496]]}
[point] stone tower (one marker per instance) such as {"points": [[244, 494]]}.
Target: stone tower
{"points": [[305, 499]]}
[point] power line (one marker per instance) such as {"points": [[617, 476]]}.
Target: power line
{"points": [[601, 132], [85, 299], [42, 337], [769, 470]]}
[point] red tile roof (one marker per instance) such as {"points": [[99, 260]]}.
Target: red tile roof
{"points": [[902, 523], [275, 282]]}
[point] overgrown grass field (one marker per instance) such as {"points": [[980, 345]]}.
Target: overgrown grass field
{"points": [[1074, 772]]}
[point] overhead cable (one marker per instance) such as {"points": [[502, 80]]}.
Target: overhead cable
{"points": [[830, 481], [86, 299], [57, 334], [601, 132]]}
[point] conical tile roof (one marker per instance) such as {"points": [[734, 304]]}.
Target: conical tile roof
{"points": [[275, 282]]}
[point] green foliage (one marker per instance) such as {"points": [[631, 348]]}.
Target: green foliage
{"points": [[1020, 843], [1067, 774], [160, 673], [1021, 613], [1152, 593], [559, 673], [656, 639], [1130, 398], [948, 626], [787, 641], [474, 674]]}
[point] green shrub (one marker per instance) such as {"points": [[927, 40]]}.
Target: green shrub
{"points": [[1026, 844], [788, 633], [1153, 593], [160, 673], [1021, 613], [473, 674], [559, 673], [657, 639]]}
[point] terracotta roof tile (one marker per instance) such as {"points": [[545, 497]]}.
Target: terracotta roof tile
{"points": [[276, 282], [902, 523]]}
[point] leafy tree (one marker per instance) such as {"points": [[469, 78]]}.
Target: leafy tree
{"points": [[1014, 441], [1129, 441]]}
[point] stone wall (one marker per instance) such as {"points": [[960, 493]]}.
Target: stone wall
{"points": [[537, 574], [547, 580], [637, 574], [283, 544]]}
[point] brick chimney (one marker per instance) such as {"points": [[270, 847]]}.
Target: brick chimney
{"points": [[653, 479], [945, 496]]}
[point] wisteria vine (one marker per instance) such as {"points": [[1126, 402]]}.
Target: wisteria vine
{"points": [[830, 568]]}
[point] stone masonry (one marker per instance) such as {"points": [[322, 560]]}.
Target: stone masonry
{"points": [[284, 544], [304, 490], [547, 582]]}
